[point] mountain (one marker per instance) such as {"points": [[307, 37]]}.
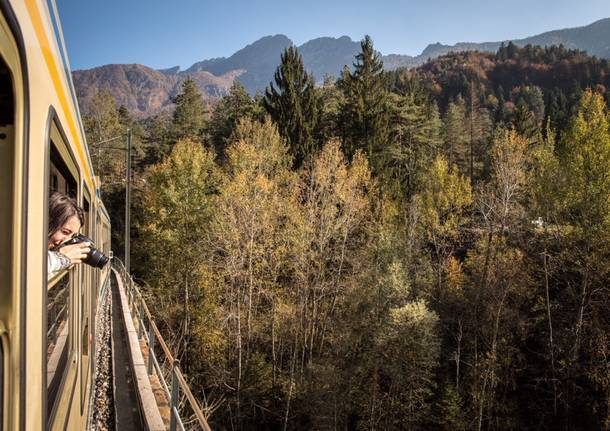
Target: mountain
{"points": [[145, 91], [257, 60], [593, 38], [326, 56]]}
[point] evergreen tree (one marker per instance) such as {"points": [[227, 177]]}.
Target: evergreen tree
{"points": [[292, 105], [364, 112], [525, 122], [329, 99], [415, 139], [532, 98], [455, 135], [450, 410], [188, 120], [157, 139], [558, 109], [479, 128], [138, 150], [227, 114]]}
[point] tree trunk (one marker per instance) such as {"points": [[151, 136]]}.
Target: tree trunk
{"points": [[551, 345], [291, 384], [458, 356], [239, 357], [581, 312]]}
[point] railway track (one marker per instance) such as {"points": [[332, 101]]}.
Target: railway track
{"points": [[114, 400], [102, 405]]}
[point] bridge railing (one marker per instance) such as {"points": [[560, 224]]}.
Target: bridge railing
{"points": [[147, 329]]}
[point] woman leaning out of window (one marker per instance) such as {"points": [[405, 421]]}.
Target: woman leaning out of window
{"points": [[65, 220]]}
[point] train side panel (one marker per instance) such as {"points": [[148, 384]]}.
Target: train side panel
{"points": [[47, 124]]}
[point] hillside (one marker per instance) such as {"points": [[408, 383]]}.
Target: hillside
{"points": [[145, 91]]}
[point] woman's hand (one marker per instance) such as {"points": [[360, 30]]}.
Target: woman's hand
{"points": [[76, 252]]}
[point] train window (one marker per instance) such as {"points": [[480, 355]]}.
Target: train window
{"points": [[60, 298], [7, 101]]}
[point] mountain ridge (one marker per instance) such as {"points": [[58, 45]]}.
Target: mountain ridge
{"points": [[146, 91]]}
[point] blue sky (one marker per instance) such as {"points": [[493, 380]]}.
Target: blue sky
{"points": [[168, 33]]}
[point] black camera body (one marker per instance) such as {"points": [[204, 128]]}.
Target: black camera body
{"points": [[95, 258]]}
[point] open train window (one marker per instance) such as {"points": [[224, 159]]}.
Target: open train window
{"points": [[7, 100], [61, 287]]}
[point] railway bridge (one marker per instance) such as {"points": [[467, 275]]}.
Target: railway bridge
{"points": [[138, 384]]}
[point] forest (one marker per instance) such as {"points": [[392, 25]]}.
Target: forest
{"points": [[423, 249]]}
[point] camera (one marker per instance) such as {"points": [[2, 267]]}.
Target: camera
{"points": [[95, 258]]}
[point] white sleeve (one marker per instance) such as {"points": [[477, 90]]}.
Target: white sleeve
{"points": [[56, 262]]}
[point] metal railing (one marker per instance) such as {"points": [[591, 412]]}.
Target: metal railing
{"points": [[147, 330]]}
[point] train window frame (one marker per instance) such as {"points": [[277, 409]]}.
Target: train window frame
{"points": [[8, 132], [4, 372], [60, 155], [87, 277], [12, 202]]}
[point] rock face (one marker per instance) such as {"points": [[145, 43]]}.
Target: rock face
{"points": [[326, 56], [257, 62], [146, 92]]}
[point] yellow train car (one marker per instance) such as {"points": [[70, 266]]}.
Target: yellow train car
{"points": [[47, 329]]}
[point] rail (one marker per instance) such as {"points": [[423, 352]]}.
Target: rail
{"points": [[148, 330]]}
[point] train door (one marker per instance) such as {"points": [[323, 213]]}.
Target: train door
{"points": [[12, 120]]}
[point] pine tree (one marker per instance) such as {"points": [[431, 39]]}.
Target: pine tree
{"points": [[415, 139], [138, 150], [525, 122], [450, 410], [329, 99], [227, 114], [188, 120], [292, 105], [456, 134], [157, 138], [479, 127], [365, 116]]}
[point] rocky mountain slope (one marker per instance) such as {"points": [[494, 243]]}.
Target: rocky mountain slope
{"points": [[145, 91]]}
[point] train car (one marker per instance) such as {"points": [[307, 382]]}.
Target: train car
{"points": [[46, 328]]}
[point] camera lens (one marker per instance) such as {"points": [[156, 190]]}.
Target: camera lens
{"points": [[96, 258]]}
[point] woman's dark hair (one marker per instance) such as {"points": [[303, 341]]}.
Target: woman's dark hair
{"points": [[61, 208]]}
